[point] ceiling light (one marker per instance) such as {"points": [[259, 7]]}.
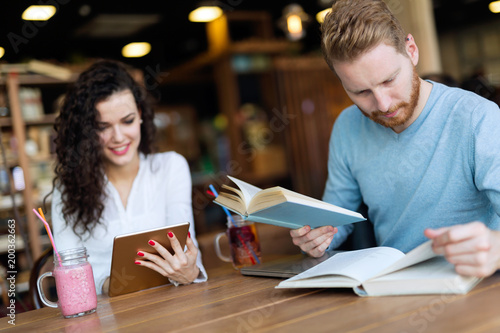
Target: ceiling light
{"points": [[320, 17], [205, 14], [2, 51], [494, 7], [294, 21], [84, 10], [136, 50], [294, 24], [38, 13]]}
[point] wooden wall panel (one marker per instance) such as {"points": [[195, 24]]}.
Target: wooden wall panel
{"points": [[313, 97]]}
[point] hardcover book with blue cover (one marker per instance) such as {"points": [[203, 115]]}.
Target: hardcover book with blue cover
{"points": [[281, 207]]}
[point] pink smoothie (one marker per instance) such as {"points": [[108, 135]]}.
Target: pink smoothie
{"points": [[75, 288]]}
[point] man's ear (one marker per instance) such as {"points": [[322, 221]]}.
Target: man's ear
{"points": [[412, 49]]}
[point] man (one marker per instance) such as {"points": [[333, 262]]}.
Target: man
{"points": [[424, 158]]}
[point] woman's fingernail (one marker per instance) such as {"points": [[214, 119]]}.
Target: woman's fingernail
{"points": [[140, 254], [137, 262], [189, 234], [170, 234], [151, 242]]}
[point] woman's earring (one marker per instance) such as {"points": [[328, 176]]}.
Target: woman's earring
{"points": [[141, 121]]}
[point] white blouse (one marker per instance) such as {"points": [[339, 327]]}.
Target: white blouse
{"points": [[160, 196]]}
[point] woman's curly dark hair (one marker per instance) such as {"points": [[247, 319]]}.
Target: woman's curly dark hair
{"points": [[80, 170]]}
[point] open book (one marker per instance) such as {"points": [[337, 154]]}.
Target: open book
{"points": [[385, 271], [282, 207]]}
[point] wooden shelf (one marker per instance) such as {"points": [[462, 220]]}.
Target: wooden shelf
{"points": [[6, 201], [4, 241], [34, 79], [30, 196], [42, 158], [13, 161], [180, 73], [273, 46], [47, 119]]}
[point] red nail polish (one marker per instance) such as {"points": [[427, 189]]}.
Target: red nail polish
{"points": [[189, 234], [140, 254], [170, 234], [151, 242], [137, 262]]}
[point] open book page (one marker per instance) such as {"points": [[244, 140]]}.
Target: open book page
{"points": [[297, 197], [265, 199], [275, 195], [248, 190], [418, 254], [235, 190], [433, 276], [359, 265], [232, 202]]}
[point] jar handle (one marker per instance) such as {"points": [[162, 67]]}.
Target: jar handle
{"points": [[41, 293], [217, 248]]}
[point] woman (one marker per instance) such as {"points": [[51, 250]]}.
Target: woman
{"points": [[108, 182]]}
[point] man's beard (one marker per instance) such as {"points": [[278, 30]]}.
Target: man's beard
{"points": [[406, 109]]}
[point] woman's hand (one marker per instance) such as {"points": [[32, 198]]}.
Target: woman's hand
{"points": [[179, 266]]}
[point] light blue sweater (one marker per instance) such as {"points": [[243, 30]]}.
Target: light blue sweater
{"points": [[444, 169]]}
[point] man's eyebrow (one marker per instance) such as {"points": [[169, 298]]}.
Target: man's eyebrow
{"points": [[393, 75], [357, 91], [389, 77]]}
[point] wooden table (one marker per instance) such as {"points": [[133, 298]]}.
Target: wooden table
{"points": [[229, 302]]}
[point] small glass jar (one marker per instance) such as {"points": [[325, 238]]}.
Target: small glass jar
{"points": [[243, 243], [74, 283]]}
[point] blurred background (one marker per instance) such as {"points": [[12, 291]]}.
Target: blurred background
{"points": [[82, 30], [245, 92]]}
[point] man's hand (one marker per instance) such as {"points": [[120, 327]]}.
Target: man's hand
{"points": [[313, 242], [472, 248]]}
